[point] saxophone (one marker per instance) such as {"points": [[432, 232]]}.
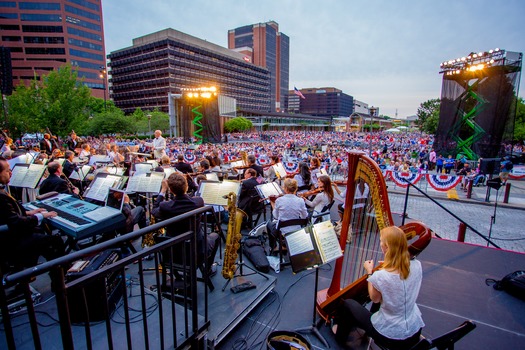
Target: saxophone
{"points": [[234, 237]]}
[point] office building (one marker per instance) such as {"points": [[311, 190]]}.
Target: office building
{"points": [[163, 63], [270, 49], [322, 102], [43, 35]]}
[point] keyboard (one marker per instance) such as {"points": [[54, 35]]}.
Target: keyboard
{"points": [[63, 215]]}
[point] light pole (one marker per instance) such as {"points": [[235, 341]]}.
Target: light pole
{"points": [[103, 74], [149, 124], [372, 110]]}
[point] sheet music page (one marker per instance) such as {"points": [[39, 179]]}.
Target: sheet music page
{"points": [[269, 189], [18, 160], [18, 175], [299, 242], [279, 170], [154, 183], [327, 241], [237, 163], [212, 177], [33, 175], [213, 192], [100, 185], [133, 183], [98, 158]]}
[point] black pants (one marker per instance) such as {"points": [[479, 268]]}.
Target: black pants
{"points": [[26, 251], [352, 315]]}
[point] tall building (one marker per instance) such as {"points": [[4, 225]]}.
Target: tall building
{"points": [[322, 102], [270, 49], [167, 61], [43, 35]]}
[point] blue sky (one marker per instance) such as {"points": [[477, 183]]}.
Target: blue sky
{"points": [[383, 52]]}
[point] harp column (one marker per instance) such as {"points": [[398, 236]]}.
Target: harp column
{"points": [[372, 110]]}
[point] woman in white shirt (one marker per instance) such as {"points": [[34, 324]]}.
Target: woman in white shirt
{"points": [[322, 199], [398, 323]]}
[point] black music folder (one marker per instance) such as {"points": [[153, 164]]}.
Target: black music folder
{"points": [[313, 246]]}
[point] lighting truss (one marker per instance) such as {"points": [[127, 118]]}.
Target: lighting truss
{"points": [[474, 62]]}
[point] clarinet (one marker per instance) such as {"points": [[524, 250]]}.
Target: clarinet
{"points": [[71, 186]]}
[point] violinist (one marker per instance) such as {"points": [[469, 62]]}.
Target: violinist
{"points": [[86, 151], [181, 165], [248, 197], [304, 177], [253, 165], [287, 207], [270, 174], [323, 199], [57, 153], [315, 169]]}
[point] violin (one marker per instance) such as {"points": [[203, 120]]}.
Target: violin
{"points": [[310, 193]]}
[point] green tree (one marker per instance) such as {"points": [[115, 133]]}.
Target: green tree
{"points": [[110, 122], [238, 124], [57, 101], [519, 124], [428, 115]]}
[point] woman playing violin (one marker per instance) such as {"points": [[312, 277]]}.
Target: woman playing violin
{"points": [[304, 177], [323, 199]]}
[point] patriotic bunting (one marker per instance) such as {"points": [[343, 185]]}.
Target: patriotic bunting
{"points": [[290, 167], [443, 183], [399, 178], [189, 158]]}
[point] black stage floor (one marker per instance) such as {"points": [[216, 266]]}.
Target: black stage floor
{"points": [[453, 290]]}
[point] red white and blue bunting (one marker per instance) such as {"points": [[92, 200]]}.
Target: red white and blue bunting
{"points": [[189, 158], [443, 183], [517, 173], [263, 160], [400, 179], [290, 167]]}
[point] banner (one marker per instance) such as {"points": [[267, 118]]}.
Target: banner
{"points": [[400, 179], [517, 173], [189, 158], [442, 182], [290, 167]]}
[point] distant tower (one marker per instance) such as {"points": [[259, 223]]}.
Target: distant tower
{"points": [[267, 48]]}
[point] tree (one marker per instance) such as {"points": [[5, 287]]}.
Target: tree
{"points": [[57, 101], [238, 124], [519, 124], [428, 115], [111, 122]]}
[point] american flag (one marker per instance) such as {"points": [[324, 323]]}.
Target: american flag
{"points": [[298, 93]]}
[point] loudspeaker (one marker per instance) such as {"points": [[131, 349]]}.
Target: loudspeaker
{"points": [[489, 166], [6, 71]]}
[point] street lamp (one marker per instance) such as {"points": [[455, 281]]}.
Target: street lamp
{"points": [[103, 74], [149, 124], [372, 110]]}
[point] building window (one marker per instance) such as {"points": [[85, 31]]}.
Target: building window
{"points": [[42, 29], [34, 17], [84, 34], [9, 15], [85, 44], [83, 64], [38, 6], [45, 51], [81, 23], [8, 4], [9, 27], [86, 4], [11, 38], [84, 54], [43, 40], [82, 13]]}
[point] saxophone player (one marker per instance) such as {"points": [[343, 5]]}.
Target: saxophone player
{"points": [[55, 182]]}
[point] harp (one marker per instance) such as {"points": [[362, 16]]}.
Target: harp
{"points": [[367, 211]]}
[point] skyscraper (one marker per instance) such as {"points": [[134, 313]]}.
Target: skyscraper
{"points": [[43, 35], [267, 48]]}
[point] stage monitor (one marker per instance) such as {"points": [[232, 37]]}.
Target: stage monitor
{"points": [[490, 166]]}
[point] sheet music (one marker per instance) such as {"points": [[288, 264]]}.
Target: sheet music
{"points": [[97, 158], [27, 176], [213, 192], [212, 177], [143, 168], [269, 189], [81, 173], [299, 242], [279, 170], [327, 241], [149, 183], [98, 190], [237, 163]]}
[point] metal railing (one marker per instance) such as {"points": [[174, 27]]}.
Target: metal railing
{"points": [[466, 225], [181, 322]]}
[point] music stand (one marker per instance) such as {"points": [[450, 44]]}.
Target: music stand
{"points": [[495, 184]]}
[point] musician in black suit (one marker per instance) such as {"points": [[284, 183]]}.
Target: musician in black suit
{"points": [[55, 183], [248, 197], [73, 142], [182, 166], [46, 146], [69, 166], [253, 165], [180, 204], [23, 243]]}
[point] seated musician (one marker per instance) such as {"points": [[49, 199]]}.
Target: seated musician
{"points": [[69, 165], [55, 182], [165, 162], [270, 174], [323, 199], [115, 155], [287, 207], [57, 153], [304, 177], [248, 197], [253, 165], [24, 243], [134, 214], [45, 144], [73, 142], [86, 151], [182, 166], [315, 169], [183, 203], [398, 322]]}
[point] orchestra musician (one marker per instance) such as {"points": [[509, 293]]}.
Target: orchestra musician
{"points": [[73, 142], [286, 207], [180, 204], [304, 177], [158, 144], [270, 174], [25, 241], [114, 154], [69, 165], [248, 200], [57, 153], [182, 166], [315, 169], [54, 182], [86, 151], [323, 199], [253, 165], [395, 286], [46, 146]]}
